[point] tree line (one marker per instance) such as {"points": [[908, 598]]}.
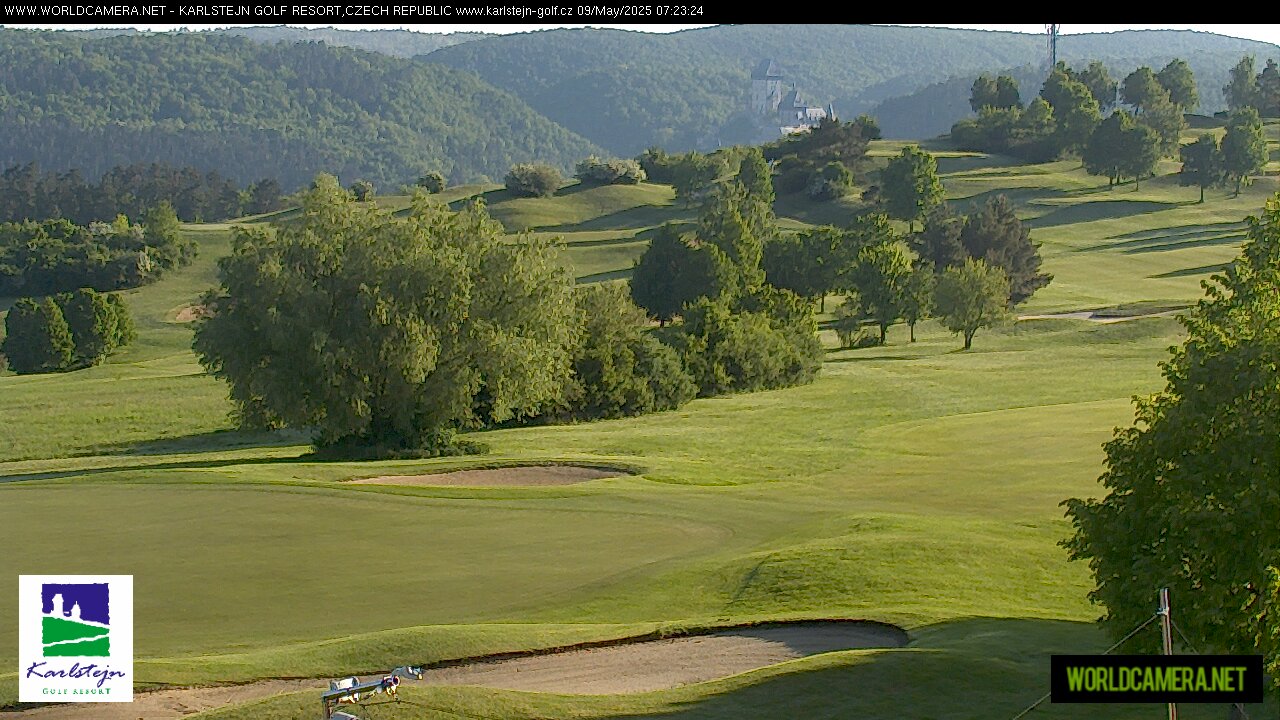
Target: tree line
{"points": [[52, 256], [969, 269], [29, 193], [1063, 117]]}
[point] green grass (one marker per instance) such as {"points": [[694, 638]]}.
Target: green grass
{"points": [[911, 483]]}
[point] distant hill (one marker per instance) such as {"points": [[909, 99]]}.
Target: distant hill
{"points": [[933, 109], [627, 90], [397, 43], [251, 110]]}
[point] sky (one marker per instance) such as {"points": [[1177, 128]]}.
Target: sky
{"points": [[1266, 33]]}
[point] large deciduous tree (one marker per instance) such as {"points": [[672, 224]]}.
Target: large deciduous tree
{"points": [[1244, 147], [1241, 89], [1177, 78], [1101, 86], [1201, 163], [1140, 88], [995, 235], [970, 297], [879, 276], [910, 184], [388, 331], [1195, 482], [37, 338]]}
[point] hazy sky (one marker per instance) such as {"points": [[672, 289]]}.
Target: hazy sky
{"points": [[1267, 33]]}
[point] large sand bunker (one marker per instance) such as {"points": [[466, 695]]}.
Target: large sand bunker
{"points": [[626, 667], [521, 475]]}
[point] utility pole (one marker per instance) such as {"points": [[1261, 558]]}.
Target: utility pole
{"points": [[1052, 32], [1166, 632]]}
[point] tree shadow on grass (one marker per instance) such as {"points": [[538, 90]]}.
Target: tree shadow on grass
{"points": [[148, 467], [1191, 271], [635, 218], [956, 670], [1099, 210]]}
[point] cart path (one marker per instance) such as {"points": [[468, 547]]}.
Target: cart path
{"points": [[623, 668]]}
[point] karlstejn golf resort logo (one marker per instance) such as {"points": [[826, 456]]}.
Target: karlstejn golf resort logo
{"points": [[75, 638]]}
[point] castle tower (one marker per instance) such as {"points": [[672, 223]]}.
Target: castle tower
{"points": [[766, 88], [57, 605]]}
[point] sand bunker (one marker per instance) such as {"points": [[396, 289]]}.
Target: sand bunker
{"points": [[623, 668], [191, 313], [501, 477]]}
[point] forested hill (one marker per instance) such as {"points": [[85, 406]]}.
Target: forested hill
{"points": [[400, 43], [251, 110], [627, 90]]}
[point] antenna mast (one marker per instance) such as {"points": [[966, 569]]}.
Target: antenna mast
{"points": [[1052, 32]]}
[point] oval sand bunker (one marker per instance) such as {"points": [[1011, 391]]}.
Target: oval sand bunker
{"points": [[517, 476], [605, 669]]}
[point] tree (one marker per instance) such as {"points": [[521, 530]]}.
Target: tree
{"points": [[387, 331], [730, 348], [92, 321], [1177, 78], [671, 273], [917, 296], [910, 184], [1104, 151], [1053, 88], [996, 236], [809, 263], [737, 220], [1244, 147], [879, 276], [264, 196], [1120, 147], [594, 171], [37, 339], [693, 174], [832, 182], [971, 297], [1269, 90], [362, 190], [163, 234], [1101, 86], [867, 127], [1007, 93], [1077, 114], [1140, 88], [1242, 89], [123, 325], [1192, 495], [1037, 121], [433, 182], [1165, 118], [984, 93], [1201, 163], [533, 180], [619, 369], [938, 243], [1141, 146]]}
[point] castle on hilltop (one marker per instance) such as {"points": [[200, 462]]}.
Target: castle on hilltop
{"points": [[769, 101]]}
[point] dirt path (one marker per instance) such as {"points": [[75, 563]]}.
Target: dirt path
{"points": [[1094, 317], [500, 477], [626, 668]]}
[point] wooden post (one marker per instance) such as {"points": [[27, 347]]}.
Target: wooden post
{"points": [[1166, 632]]}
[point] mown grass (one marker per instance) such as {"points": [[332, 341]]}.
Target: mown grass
{"points": [[910, 483]]}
